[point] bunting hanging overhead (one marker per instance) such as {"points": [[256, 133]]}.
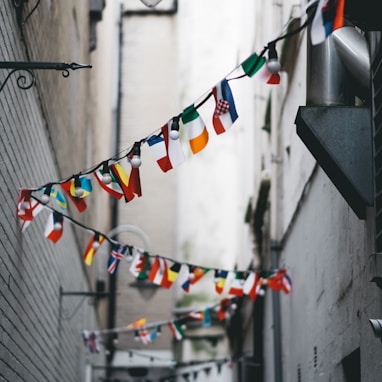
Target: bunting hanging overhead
{"points": [[161, 270], [168, 151], [146, 332], [119, 182]]}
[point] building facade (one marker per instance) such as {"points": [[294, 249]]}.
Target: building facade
{"points": [[47, 134], [320, 220]]}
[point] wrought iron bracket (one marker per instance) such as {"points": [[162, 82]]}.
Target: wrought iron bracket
{"points": [[26, 68], [19, 5]]}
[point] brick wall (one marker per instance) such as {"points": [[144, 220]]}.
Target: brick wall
{"points": [[42, 138]]}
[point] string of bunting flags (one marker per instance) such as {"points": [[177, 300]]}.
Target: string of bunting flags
{"points": [[147, 332], [164, 271], [188, 370], [167, 149], [164, 142]]}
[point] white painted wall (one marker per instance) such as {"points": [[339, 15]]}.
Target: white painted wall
{"points": [[215, 185]]}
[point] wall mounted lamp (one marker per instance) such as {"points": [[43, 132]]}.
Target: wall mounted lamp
{"points": [[145, 288], [376, 325], [151, 7], [151, 3], [377, 280], [28, 67]]}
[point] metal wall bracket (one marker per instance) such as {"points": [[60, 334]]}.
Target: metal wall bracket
{"points": [[97, 294], [19, 6], [26, 68]]}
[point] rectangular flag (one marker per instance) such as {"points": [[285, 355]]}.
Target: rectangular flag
{"points": [[57, 196], [172, 274], [86, 186], [121, 177], [223, 310], [135, 182], [145, 336], [207, 318], [93, 342], [225, 111], [220, 279], [255, 64], [328, 17], [251, 286], [194, 275], [252, 64], [27, 208], [140, 264], [158, 272], [80, 203], [195, 128], [195, 315], [54, 227], [137, 324], [280, 281], [153, 335], [237, 285], [116, 255], [168, 152], [113, 188], [91, 248], [266, 76], [176, 330]]}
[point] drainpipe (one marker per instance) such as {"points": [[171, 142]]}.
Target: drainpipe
{"points": [[114, 204], [327, 82], [335, 127], [275, 255]]}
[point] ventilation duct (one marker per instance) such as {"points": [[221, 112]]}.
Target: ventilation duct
{"points": [[336, 132]]}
